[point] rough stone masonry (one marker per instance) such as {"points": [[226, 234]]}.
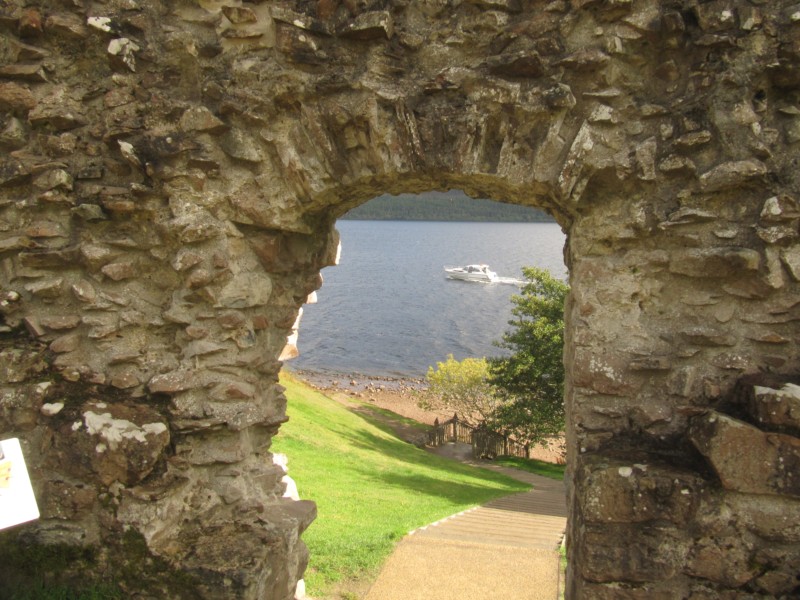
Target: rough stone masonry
{"points": [[170, 176]]}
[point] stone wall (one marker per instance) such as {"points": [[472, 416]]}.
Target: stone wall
{"points": [[169, 180]]}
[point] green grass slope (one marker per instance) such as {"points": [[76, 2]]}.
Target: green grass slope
{"points": [[370, 487], [532, 465]]}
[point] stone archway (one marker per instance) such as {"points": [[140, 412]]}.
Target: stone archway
{"points": [[170, 177]]}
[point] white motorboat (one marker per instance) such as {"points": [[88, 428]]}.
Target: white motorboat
{"points": [[471, 273]]}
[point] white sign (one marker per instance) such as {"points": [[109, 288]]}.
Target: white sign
{"points": [[17, 502]]}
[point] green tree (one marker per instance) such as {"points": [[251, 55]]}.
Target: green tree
{"points": [[530, 382], [461, 386]]}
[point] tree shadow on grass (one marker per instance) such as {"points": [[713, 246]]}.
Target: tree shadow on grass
{"points": [[458, 493], [417, 458], [400, 427]]}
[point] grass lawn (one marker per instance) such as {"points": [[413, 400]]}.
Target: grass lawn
{"points": [[532, 465], [393, 417], [370, 487]]}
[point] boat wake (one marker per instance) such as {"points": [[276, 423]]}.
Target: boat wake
{"points": [[510, 281], [499, 280]]}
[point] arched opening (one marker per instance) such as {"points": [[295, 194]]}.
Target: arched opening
{"points": [[384, 314]]}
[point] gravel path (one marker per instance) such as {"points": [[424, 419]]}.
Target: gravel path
{"points": [[503, 549]]}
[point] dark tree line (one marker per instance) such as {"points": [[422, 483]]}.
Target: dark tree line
{"points": [[444, 206]]}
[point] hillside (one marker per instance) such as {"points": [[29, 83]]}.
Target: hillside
{"points": [[370, 487], [444, 206]]}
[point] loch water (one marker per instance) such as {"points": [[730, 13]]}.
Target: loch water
{"points": [[388, 310]]}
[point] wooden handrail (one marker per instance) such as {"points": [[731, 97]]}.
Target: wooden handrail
{"points": [[485, 443]]}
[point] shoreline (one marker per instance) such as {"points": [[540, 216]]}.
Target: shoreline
{"points": [[358, 382], [397, 394]]}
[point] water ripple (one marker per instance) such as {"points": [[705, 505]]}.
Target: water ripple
{"points": [[388, 309]]}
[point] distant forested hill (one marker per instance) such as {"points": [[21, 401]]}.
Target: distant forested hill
{"points": [[443, 206]]}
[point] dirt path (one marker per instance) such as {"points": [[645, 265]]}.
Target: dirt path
{"points": [[503, 549]]}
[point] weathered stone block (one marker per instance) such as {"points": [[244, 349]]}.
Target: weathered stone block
{"points": [[724, 560], [659, 553], [777, 408], [16, 98], [603, 374], [13, 173], [778, 578], [778, 209], [33, 73], [773, 518], [121, 270], [284, 252], [585, 59], [65, 343], [13, 136], [58, 110], [46, 259], [19, 406], [777, 233], [16, 242], [708, 336], [518, 64], [620, 492], [692, 139], [651, 363], [66, 24], [237, 554], [669, 590], [791, 258], [125, 378], [245, 290], [771, 464], [732, 174], [121, 443], [18, 365], [239, 14], [200, 118], [213, 446], [714, 262], [239, 145], [65, 501], [176, 381], [368, 26]]}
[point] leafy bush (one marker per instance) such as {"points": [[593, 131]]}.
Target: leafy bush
{"points": [[461, 386]]}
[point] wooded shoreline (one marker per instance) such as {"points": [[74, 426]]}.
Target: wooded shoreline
{"points": [[445, 206]]}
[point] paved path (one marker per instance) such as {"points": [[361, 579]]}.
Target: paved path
{"points": [[506, 548]]}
